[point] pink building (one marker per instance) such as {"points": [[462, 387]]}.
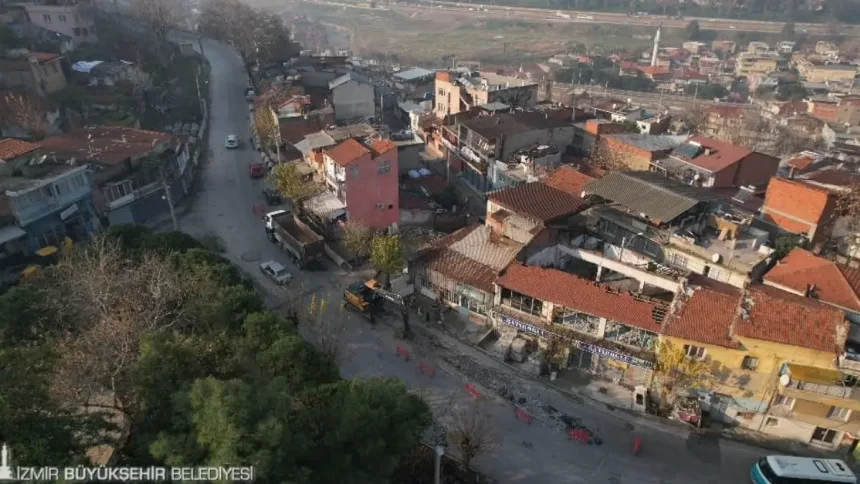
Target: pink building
{"points": [[365, 178]]}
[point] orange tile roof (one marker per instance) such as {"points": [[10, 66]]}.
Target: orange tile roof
{"points": [[575, 293], [795, 205], [13, 148], [438, 257], [722, 154], [801, 162], [780, 317], [800, 269], [346, 152], [106, 144], [568, 179], [706, 317], [537, 200], [654, 70], [382, 146]]}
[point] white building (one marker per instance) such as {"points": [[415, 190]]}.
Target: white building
{"points": [[352, 97]]}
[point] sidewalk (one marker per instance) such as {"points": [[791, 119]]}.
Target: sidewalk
{"points": [[600, 396]]}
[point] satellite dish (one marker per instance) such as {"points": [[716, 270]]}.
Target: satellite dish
{"points": [[784, 380], [715, 258]]}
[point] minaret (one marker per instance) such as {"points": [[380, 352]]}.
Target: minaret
{"points": [[5, 469], [656, 46]]}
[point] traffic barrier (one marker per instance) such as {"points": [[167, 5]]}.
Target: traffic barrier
{"points": [[472, 390], [580, 435], [523, 415], [426, 369], [403, 353], [637, 444]]}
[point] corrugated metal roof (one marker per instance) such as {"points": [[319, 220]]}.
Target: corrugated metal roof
{"points": [[414, 73], [659, 198]]}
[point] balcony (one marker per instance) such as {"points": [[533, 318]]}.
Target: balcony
{"points": [[33, 199], [822, 385]]}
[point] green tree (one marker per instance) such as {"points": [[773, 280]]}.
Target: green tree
{"points": [[285, 177], [386, 253], [678, 372], [356, 239], [794, 91], [692, 31], [787, 31]]}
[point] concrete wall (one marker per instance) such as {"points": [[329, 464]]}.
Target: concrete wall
{"points": [[353, 99], [557, 137], [64, 19], [373, 198]]}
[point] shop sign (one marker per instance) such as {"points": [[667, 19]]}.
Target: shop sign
{"points": [[591, 348]]}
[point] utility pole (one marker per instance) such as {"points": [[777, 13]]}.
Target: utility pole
{"points": [[169, 197]]}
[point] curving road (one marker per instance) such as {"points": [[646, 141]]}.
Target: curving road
{"points": [[671, 454]]}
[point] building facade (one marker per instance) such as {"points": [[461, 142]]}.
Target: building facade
{"points": [[74, 19]]}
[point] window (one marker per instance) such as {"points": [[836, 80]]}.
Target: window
{"points": [[785, 401], [380, 206], [384, 167], [772, 422], [77, 31], [678, 260], [46, 18], [609, 229], [750, 363], [823, 435], [354, 172], [62, 18], [84, 31], [696, 352], [521, 302], [839, 413], [441, 92], [650, 248]]}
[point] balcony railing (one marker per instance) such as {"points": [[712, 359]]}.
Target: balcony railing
{"points": [[835, 391]]}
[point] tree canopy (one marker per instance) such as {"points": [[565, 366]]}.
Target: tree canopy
{"points": [[200, 371], [692, 30]]}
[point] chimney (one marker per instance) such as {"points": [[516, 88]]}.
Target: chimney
{"points": [[810, 290], [124, 140], [707, 152]]}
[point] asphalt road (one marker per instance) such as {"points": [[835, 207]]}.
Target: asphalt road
{"points": [[524, 453]]}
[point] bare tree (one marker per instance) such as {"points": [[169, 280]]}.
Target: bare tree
{"points": [[138, 79], [471, 432], [357, 239], [111, 303], [327, 327], [161, 15], [26, 112]]}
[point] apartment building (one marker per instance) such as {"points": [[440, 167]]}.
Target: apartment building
{"points": [[748, 63], [73, 19], [364, 179], [653, 219], [455, 94]]}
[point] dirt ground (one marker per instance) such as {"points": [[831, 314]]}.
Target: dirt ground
{"points": [[418, 35]]}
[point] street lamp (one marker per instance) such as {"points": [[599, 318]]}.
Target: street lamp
{"points": [[437, 476]]}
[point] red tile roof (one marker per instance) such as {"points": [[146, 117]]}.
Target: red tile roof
{"points": [[801, 162], [795, 205], [346, 152], [780, 317], [13, 148], [706, 317], [438, 257], [800, 269], [294, 130], [575, 293], [793, 108], [722, 154], [104, 144], [381, 146], [537, 200], [654, 71], [568, 179], [725, 111]]}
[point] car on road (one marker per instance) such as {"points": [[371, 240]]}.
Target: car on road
{"points": [[257, 170], [276, 272], [231, 142], [272, 196]]}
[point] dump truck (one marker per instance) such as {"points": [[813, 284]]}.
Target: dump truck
{"points": [[294, 237]]}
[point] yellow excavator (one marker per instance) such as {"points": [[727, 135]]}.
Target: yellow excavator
{"points": [[369, 297], [45, 256]]}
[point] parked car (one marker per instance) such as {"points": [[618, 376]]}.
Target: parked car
{"points": [[257, 170], [272, 196], [231, 142], [276, 272]]}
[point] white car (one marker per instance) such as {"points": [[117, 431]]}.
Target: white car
{"points": [[231, 142], [276, 272]]}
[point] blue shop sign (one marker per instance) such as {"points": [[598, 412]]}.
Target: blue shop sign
{"points": [[591, 348]]}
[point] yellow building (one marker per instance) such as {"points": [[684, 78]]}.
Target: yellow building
{"points": [[831, 72], [773, 359], [748, 63]]}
